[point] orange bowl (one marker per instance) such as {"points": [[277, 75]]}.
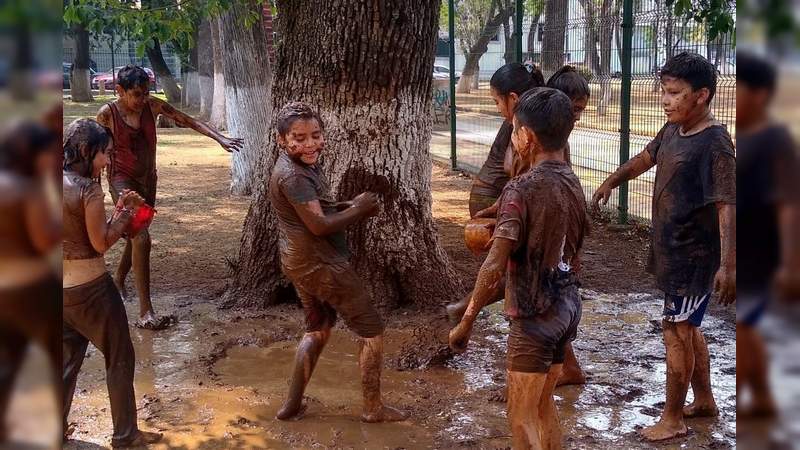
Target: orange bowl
{"points": [[477, 233]]}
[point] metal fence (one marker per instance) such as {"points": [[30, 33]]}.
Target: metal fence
{"points": [[593, 42], [104, 60]]}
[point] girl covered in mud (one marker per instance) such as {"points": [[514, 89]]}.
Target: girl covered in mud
{"points": [[93, 310]]}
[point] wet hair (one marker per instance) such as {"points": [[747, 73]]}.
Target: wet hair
{"points": [[571, 82], [132, 76], [292, 112], [20, 145], [693, 69], [517, 78], [548, 112], [755, 71], [83, 139]]}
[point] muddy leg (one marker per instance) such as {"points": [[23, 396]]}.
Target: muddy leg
{"points": [[524, 395], [756, 371], [370, 360], [549, 426], [703, 404], [141, 271], [572, 373], [123, 269], [308, 352], [680, 364]]}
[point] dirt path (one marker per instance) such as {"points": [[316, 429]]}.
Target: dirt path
{"points": [[216, 379]]}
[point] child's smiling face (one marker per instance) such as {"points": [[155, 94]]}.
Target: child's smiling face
{"points": [[304, 141]]}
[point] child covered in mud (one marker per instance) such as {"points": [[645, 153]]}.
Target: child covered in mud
{"points": [[93, 310], [693, 248], [132, 118], [540, 229], [315, 257]]}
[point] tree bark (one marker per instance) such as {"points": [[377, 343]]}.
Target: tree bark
{"points": [[205, 69], [532, 36], [163, 75], [555, 29], [606, 32], [80, 85], [248, 84], [591, 58], [377, 131], [218, 116], [191, 88]]}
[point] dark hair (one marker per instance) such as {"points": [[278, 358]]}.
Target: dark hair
{"points": [[517, 78], [132, 76], [292, 112], [82, 140], [693, 69], [570, 82], [755, 71], [21, 144], [548, 112]]}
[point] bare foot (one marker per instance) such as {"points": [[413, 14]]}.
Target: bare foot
{"points": [[695, 409], [152, 322], [385, 414], [123, 291], [291, 410], [142, 439], [662, 431], [570, 377], [499, 395]]}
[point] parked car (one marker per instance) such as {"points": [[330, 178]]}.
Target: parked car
{"points": [[443, 73], [107, 78], [67, 74]]}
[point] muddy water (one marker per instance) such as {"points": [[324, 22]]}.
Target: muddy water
{"points": [[218, 383]]}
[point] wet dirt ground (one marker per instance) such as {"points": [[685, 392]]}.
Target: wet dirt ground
{"points": [[216, 379]]}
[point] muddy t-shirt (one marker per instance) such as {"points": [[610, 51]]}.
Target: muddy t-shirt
{"points": [[544, 212], [767, 170], [693, 174], [294, 183], [493, 171]]}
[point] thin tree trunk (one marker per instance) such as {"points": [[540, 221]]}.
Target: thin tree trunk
{"points": [[470, 73], [191, 88], [248, 82], [555, 30], [163, 74], [606, 31], [508, 40], [205, 69], [218, 119], [80, 85], [377, 130], [532, 36]]}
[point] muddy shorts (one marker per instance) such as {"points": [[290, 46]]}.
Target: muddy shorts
{"points": [[534, 344], [335, 289], [751, 305], [146, 189], [681, 308]]}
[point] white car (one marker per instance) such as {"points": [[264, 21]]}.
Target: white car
{"points": [[443, 73]]}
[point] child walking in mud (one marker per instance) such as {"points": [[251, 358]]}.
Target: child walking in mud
{"points": [[693, 248], [93, 310], [315, 257], [132, 118], [540, 229]]}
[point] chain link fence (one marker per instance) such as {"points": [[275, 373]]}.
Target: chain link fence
{"points": [[587, 34]]}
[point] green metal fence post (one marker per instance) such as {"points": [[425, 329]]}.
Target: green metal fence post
{"points": [[452, 33], [520, 15], [625, 103]]}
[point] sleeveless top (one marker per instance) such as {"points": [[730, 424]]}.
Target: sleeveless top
{"points": [[134, 155]]}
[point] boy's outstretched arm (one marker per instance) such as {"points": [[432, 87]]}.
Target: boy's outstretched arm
{"points": [[159, 106], [320, 224], [725, 279], [634, 167], [492, 271]]}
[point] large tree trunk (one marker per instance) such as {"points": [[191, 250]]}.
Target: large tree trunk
{"points": [[248, 81], [377, 130], [555, 30], [218, 119], [80, 85], [163, 75], [205, 69]]}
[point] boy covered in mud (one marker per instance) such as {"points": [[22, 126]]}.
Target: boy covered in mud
{"points": [[693, 248], [132, 119], [315, 257], [541, 225]]}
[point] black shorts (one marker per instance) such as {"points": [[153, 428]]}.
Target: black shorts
{"points": [[335, 288], [534, 344]]}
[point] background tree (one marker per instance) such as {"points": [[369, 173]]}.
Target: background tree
{"points": [[476, 23], [377, 129], [205, 68], [555, 30]]}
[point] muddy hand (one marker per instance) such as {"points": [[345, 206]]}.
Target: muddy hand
{"points": [[725, 284], [131, 199], [459, 337], [367, 202], [231, 144], [488, 213], [600, 197]]}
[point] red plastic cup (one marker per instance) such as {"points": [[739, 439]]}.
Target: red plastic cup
{"points": [[141, 220]]}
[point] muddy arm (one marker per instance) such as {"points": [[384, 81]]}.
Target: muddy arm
{"points": [[322, 225], [725, 279], [634, 167], [158, 106], [102, 233]]}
